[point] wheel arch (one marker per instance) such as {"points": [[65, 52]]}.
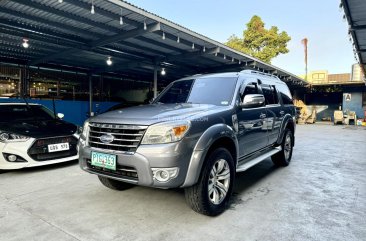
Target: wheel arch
{"points": [[287, 124], [220, 135]]}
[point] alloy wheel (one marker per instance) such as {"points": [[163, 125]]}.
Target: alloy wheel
{"points": [[219, 181]]}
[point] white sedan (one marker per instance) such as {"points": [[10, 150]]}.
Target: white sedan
{"points": [[31, 135]]}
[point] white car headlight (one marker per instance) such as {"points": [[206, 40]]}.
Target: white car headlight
{"points": [[166, 132], [11, 137]]}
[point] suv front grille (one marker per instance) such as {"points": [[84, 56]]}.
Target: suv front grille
{"points": [[39, 150], [126, 137]]}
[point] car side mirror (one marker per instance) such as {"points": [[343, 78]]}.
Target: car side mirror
{"points": [[252, 100], [60, 116]]}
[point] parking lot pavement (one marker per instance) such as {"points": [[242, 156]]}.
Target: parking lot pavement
{"points": [[320, 196]]}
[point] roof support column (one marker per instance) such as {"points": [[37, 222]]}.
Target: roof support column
{"points": [[23, 84], [155, 80], [90, 76]]}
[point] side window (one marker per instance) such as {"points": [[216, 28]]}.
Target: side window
{"points": [[250, 88], [285, 94], [270, 94]]}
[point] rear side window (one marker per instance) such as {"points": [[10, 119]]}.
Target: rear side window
{"points": [[270, 94], [285, 94]]}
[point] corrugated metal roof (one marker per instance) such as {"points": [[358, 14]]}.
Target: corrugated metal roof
{"points": [[68, 33], [355, 12]]}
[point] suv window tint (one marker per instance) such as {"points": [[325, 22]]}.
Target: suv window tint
{"points": [[285, 94], [177, 93], [250, 88], [270, 94], [212, 90]]}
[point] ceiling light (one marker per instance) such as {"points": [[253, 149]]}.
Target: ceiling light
{"points": [[178, 39], [163, 37], [109, 61], [92, 8], [163, 71], [145, 26], [25, 43]]}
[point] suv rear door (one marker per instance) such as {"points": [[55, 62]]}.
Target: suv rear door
{"points": [[275, 112]]}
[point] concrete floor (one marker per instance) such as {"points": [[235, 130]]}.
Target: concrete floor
{"points": [[320, 196]]}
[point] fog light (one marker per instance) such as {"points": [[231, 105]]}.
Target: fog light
{"points": [[12, 158], [164, 174]]}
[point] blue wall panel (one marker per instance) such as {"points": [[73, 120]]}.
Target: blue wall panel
{"points": [[355, 104], [74, 111]]}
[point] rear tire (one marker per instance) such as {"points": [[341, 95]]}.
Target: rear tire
{"points": [[114, 184], [210, 196], [283, 157]]}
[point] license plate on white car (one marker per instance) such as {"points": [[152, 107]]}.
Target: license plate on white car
{"points": [[103, 160], [58, 147]]}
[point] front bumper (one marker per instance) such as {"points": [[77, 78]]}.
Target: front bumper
{"points": [[142, 161], [20, 149]]}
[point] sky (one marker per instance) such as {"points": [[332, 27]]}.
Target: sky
{"points": [[320, 21]]}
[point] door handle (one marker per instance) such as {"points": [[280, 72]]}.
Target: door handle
{"points": [[262, 116], [282, 112]]}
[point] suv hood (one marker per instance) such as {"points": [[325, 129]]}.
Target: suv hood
{"points": [[154, 113], [39, 128]]}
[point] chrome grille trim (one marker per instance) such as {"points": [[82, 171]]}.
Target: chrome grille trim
{"points": [[126, 137]]}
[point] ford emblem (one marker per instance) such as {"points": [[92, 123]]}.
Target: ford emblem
{"points": [[107, 138]]}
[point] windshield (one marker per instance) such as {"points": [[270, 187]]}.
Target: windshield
{"points": [[10, 113], [213, 90]]}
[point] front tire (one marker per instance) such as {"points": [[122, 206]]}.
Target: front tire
{"points": [[210, 196], [114, 184], [283, 157]]}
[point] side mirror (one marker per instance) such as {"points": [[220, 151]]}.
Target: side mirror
{"points": [[252, 100], [60, 116]]}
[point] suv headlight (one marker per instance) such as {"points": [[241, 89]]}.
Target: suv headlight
{"points": [[11, 137], [166, 132]]}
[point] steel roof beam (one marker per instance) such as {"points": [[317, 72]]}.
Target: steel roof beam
{"points": [[104, 12], [99, 43], [137, 64], [27, 16], [191, 54], [125, 35], [357, 27], [131, 45], [64, 14], [52, 43], [38, 31], [159, 44], [43, 39]]}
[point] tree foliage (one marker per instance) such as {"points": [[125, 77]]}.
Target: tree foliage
{"points": [[261, 43]]}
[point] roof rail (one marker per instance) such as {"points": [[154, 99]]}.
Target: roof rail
{"points": [[249, 71]]}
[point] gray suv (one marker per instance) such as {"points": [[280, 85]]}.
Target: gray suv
{"points": [[195, 135]]}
